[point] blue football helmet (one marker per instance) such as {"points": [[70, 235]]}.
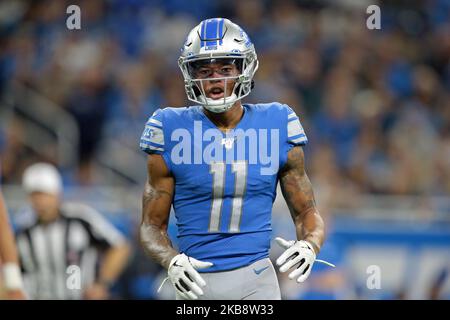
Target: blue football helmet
{"points": [[218, 40]]}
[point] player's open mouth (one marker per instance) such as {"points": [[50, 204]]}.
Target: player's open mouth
{"points": [[216, 93]]}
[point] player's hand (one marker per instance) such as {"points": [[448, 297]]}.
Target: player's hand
{"points": [[184, 277], [300, 253]]}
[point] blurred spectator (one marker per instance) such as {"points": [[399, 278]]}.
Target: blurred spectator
{"points": [[88, 103]]}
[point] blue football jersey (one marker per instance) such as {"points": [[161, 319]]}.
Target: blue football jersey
{"points": [[225, 183]]}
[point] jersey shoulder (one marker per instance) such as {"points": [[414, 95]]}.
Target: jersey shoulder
{"points": [[174, 112], [159, 124], [268, 107], [283, 115], [271, 109]]}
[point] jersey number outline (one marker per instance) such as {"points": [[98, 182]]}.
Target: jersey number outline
{"points": [[218, 170]]}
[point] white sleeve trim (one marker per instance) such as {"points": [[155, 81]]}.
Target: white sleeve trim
{"points": [[295, 128], [292, 115], [158, 123], [153, 135]]}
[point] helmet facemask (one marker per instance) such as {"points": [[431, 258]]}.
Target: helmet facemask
{"points": [[246, 64]]}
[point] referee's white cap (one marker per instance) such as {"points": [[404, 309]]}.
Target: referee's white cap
{"points": [[42, 177]]}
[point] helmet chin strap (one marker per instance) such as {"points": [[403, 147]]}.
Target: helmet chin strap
{"points": [[219, 105]]}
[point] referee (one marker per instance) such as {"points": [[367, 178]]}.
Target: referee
{"points": [[68, 251]]}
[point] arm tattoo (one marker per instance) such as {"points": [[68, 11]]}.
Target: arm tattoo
{"points": [[154, 237], [295, 185], [151, 193], [298, 193]]}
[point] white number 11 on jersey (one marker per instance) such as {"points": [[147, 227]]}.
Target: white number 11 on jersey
{"points": [[217, 169]]}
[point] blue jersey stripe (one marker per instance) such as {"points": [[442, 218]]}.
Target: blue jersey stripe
{"points": [[151, 143], [148, 148], [299, 141], [297, 136]]}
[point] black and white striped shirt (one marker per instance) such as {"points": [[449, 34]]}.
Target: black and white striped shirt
{"points": [[52, 253]]}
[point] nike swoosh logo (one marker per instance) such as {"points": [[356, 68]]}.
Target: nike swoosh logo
{"points": [[260, 270]]}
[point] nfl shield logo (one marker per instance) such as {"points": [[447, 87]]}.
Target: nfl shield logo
{"points": [[228, 142]]}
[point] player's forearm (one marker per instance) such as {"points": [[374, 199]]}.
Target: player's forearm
{"points": [[156, 203], [157, 244], [8, 256], [298, 193], [309, 224], [113, 264], [8, 252], [310, 227]]}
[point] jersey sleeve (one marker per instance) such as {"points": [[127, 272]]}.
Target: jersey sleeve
{"points": [[295, 133], [152, 139]]}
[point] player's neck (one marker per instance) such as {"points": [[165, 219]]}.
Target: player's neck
{"points": [[228, 119]]}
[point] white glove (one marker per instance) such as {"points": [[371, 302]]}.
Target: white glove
{"points": [[297, 252], [184, 277]]}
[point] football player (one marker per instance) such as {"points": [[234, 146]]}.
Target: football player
{"points": [[218, 163]]}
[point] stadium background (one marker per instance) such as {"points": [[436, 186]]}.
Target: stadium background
{"points": [[375, 105]]}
